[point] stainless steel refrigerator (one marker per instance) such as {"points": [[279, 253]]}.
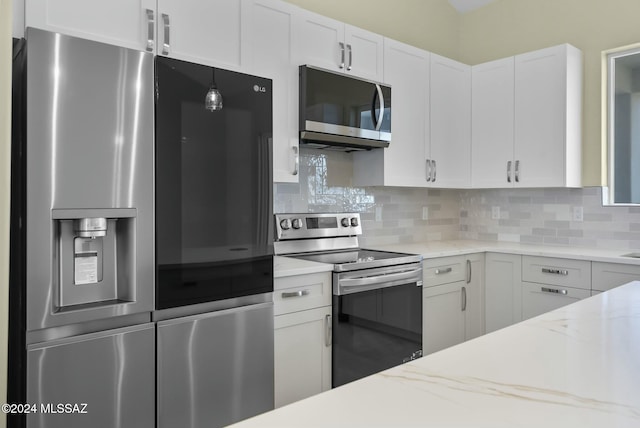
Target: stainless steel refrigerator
{"points": [[84, 270]]}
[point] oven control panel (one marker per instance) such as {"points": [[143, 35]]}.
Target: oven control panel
{"points": [[314, 225]]}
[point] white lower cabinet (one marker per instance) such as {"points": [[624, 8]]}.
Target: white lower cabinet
{"points": [[605, 276], [503, 290], [302, 336], [540, 298], [453, 307]]}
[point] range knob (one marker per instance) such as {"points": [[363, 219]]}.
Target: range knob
{"points": [[354, 221], [296, 223], [345, 222], [285, 224]]}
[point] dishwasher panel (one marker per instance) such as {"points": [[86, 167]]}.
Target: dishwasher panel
{"points": [[216, 368], [113, 372]]}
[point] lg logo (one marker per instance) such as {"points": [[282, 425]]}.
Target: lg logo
{"points": [[258, 88]]}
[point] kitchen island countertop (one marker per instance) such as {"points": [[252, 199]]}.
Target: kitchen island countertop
{"points": [[577, 366]]}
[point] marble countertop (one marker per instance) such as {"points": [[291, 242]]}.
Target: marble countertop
{"points": [[287, 266], [577, 366]]}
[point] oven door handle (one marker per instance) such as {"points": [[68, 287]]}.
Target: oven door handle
{"points": [[378, 279]]}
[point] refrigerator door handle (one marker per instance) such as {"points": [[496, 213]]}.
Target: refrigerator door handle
{"points": [[166, 46]]}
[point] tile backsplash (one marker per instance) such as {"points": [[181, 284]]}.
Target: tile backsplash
{"points": [[400, 215]]}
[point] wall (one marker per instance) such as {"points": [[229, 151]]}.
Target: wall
{"points": [[427, 24], [5, 170], [509, 27]]}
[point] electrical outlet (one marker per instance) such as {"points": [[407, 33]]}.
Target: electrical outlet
{"points": [[378, 213], [495, 213], [425, 213], [578, 213]]}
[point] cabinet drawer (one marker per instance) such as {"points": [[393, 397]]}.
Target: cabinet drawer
{"points": [[443, 270], [540, 298], [563, 272], [605, 276], [300, 292]]}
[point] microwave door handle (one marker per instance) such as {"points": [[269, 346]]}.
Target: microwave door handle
{"points": [[377, 121]]}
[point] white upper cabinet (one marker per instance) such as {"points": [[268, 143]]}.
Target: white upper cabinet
{"points": [[336, 46], [406, 69], [202, 31], [548, 112], [126, 23], [492, 124], [268, 32], [449, 158]]}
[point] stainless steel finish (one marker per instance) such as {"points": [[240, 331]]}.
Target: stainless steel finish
{"points": [[372, 279], [464, 299], [92, 227], [443, 271], [283, 220], [166, 46], [151, 28], [555, 271], [350, 57], [296, 154], [285, 224], [632, 255], [215, 369], [348, 133], [381, 110], [315, 245], [554, 291], [218, 305], [508, 171], [468, 271], [341, 55], [113, 372], [327, 330], [402, 259], [355, 222], [296, 223], [517, 171], [299, 293], [345, 222], [435, 170], [89, 159], [428, 170]]}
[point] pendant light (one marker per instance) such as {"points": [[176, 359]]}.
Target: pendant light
{"points": [[213, 100]]}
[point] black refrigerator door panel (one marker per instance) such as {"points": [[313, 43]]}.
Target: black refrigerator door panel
{"points": [[213, 185], [112, 372]]}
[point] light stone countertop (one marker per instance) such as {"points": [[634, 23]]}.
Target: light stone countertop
{"points": [[577, 366], [287, 266]]}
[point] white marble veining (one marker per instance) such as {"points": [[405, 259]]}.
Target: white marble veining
{"points": [[287, 266], [577, 366]]}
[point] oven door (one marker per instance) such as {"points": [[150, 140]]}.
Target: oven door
{"points": [[377, 320]]}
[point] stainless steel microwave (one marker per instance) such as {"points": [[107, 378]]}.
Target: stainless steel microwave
{"points": [[342, 112]]}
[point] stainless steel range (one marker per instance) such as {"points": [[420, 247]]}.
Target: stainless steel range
{"points": [[377, 295]]}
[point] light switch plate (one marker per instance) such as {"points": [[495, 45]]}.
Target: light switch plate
{"points": [[495, 213], [578, 213]]}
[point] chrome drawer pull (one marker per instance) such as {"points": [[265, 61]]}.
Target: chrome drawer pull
{"points": [[553, 290], [327, 330], [445, 270], [299, 293], [556, 271]]}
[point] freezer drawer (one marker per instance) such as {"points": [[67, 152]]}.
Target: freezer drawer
{"points": [[215, 368], [113, 372]]}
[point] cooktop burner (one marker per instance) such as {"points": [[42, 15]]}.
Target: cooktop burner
{"points": [[350, 256]]}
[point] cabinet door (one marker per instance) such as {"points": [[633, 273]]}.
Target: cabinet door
{"points": [[492, 124], [302, 354], [450, 117], [201, 31], [503, 290], [540, 298], [548, 87], [320, 41], [406, 69], [474, 297], [605, 276], [364, 53], [268, 30], [443, 321], [126, 23]]}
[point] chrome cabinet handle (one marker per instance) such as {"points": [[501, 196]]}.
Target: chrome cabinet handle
{"points": [[554, 291], [299, 293], [442, 271], [166, 46], [341, 54], [508, 171], [517, 171], [468, 271], [381, 111], [151, 26], [563, 272], [378, 279], [428, 170], [464, 299], [350, 57], [296, 154], [327, 330], [435, 171]]}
